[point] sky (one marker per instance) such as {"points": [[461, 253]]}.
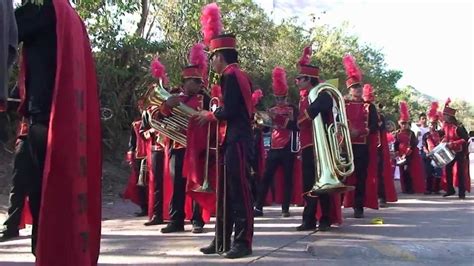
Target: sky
{"points": [[431, 42]]}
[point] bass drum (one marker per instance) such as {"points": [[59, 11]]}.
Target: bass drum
{"points": [[442, 155]]}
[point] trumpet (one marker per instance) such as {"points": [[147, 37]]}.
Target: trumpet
{"points": [[332, 145]]}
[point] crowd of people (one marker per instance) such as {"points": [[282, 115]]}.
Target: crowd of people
{"points": [[217, 165]]}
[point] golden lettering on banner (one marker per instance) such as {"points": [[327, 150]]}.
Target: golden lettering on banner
{"points": [[82, 199], [82, 132], [82, 166], [80, 99], [85, 240]]}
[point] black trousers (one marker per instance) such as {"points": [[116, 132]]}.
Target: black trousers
{"points": [[255, 156], [311, 203], [432, 182], [21, 184], [37, 140], [461, 160], [277, 157], [157, 168], [176, 208], [380, 177], [405, 174], [238, 201], [361, 164]]}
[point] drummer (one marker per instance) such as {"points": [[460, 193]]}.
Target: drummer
{"points": [[430, 140], [455, 136], [412, 174]]}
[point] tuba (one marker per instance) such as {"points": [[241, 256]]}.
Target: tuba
{"points": [[333, 149], [175, 126]]}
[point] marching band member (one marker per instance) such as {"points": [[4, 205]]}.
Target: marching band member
{"points": [[257, 161], [363, 126], [18, 209], [385, 182], [21, 181], [455, 135], [194, 98], [307, 78], [431, 139], [136, 158], [236, 111], [154, 162], [284, 118], [412, 174], [62, 107]]}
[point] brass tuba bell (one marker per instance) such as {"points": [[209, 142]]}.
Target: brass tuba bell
{"points": [[333, 149], [175, 126]]}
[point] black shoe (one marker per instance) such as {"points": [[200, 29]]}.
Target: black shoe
{"points": [[257, 212], [154, 221], [9, 234], [358, 213], [197, 229], [238, 251], [141, 213], [382, 203], [462, 196], [427, 193], [171, 228], [323, 227], [449, 193], [285, 214], [306, 227], [211, 249]]}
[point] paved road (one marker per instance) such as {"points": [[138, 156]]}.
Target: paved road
{"points": [[418, 230]]}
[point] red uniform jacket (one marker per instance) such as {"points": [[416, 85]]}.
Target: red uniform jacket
{"points": [[457, 136], [362, 117], [305, 123], [281, 134]]}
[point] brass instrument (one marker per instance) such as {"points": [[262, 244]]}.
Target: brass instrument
{"points": [[295, 141], [263, 119], [206, 187], [143, 174], [175, 125], [333, 149]]}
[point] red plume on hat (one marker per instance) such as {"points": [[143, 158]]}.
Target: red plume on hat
{"points": [[448, 101], [158, 70], [353, 73], [404, 114], [279, 84], [198, 57], [433, 112], [305, 58], [211, 24], [448, 110], [216, 91], [368, 93], [257, 95]]}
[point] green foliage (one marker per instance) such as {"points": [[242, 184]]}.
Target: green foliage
{"points": [[123, 51]]}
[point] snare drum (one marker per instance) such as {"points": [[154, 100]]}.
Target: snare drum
{"points": [[442, 155]]}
